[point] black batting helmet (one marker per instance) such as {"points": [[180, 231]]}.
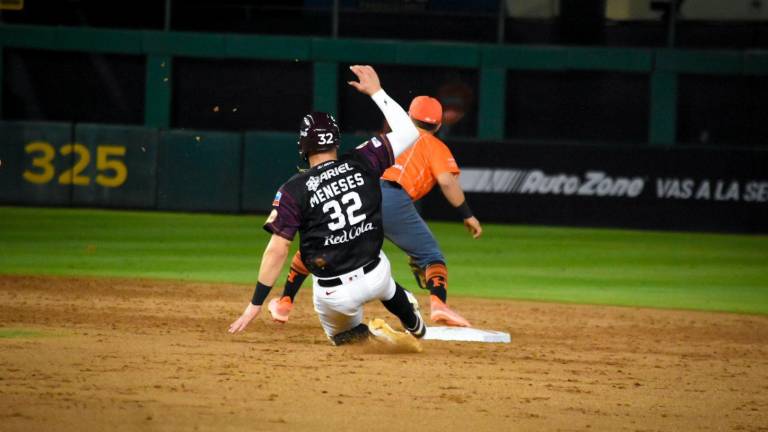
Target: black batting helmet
{"points": [[318, 133]]}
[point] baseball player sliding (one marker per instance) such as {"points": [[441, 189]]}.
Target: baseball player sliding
{"points": [[417, 170], [335, 206]]}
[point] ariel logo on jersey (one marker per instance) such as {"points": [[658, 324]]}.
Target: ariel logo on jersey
{"points": [[312, 183], [276, 201]]}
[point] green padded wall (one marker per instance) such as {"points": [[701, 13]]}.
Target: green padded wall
{"points": [[199, 171], [36, 163], [269, 159], [123, 168]]}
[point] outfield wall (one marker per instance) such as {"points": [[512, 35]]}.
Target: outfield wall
{"points": [[678, 188], [94, 165], [61, 164]]}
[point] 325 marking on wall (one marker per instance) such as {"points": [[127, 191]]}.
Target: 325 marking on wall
{"points": [[112, 169]]}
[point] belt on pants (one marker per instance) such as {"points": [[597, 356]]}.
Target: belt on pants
{"points": [[332, 282]]}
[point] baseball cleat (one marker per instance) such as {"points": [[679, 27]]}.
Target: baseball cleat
{"points": [[354, 335], [442, 314], [419, 330], [280, 309], [401, 341], [418, 273]]}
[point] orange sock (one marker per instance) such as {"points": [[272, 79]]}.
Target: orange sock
{"points": [[296, 277], [437, 280]]}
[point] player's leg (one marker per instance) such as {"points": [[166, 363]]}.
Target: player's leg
{"points": [[399, 302], [437, 283], [340, 309], [404, 227], [418, 273], [403, 305], [281, 308], [340, 314], [296, 277], [407, 230]]}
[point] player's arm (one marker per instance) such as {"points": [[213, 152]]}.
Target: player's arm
{"points": [[404, 133], [272, 262], [273, 259], [449, 185]]}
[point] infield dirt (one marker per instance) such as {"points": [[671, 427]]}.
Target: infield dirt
{"points": [[117, 355]]}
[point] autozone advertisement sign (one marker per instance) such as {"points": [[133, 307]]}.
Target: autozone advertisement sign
{"points": [[636, 187], [595, 183]]}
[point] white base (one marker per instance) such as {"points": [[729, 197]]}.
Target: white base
{"points": [[466, 334]]}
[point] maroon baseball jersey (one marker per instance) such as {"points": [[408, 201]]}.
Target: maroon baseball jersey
{"points": [[336, 209]]}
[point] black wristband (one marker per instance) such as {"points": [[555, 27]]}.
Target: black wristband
{"points": [[260, 294], [464, 210]]}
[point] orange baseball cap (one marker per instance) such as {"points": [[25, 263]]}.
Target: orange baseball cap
{"points": [[426, 109]]}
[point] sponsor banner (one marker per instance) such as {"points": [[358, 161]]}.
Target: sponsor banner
{"points": [[592, 183], [680, 188]]}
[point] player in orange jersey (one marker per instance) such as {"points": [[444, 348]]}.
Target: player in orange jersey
{"points": [[415, 172]]}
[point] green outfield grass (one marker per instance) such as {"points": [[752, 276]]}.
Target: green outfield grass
{"points": [[14, 333], [596, 266]]}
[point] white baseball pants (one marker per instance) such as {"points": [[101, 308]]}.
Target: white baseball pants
{"points": [[340, 308]]}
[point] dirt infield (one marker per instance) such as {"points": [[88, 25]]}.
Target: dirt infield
{"points": [[146, 355]]}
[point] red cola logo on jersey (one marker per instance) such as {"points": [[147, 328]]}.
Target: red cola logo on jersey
{"points": [[348, 235]]}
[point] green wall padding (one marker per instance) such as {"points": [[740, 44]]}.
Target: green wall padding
{"points": [[36, 163], [123, 168], [199, 171]]}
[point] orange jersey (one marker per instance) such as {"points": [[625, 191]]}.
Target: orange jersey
{"points": [[417, 168]]}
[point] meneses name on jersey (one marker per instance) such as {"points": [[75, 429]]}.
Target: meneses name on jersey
{"points": [[324, 192]]}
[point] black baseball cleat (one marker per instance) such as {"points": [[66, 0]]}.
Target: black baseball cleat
{"points": [[354, 335], [419, 330]]}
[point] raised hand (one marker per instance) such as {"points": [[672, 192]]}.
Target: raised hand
{"points": [[368, 81]]}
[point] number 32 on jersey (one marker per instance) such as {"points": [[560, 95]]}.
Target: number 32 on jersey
{"points": [[352, 203]]}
